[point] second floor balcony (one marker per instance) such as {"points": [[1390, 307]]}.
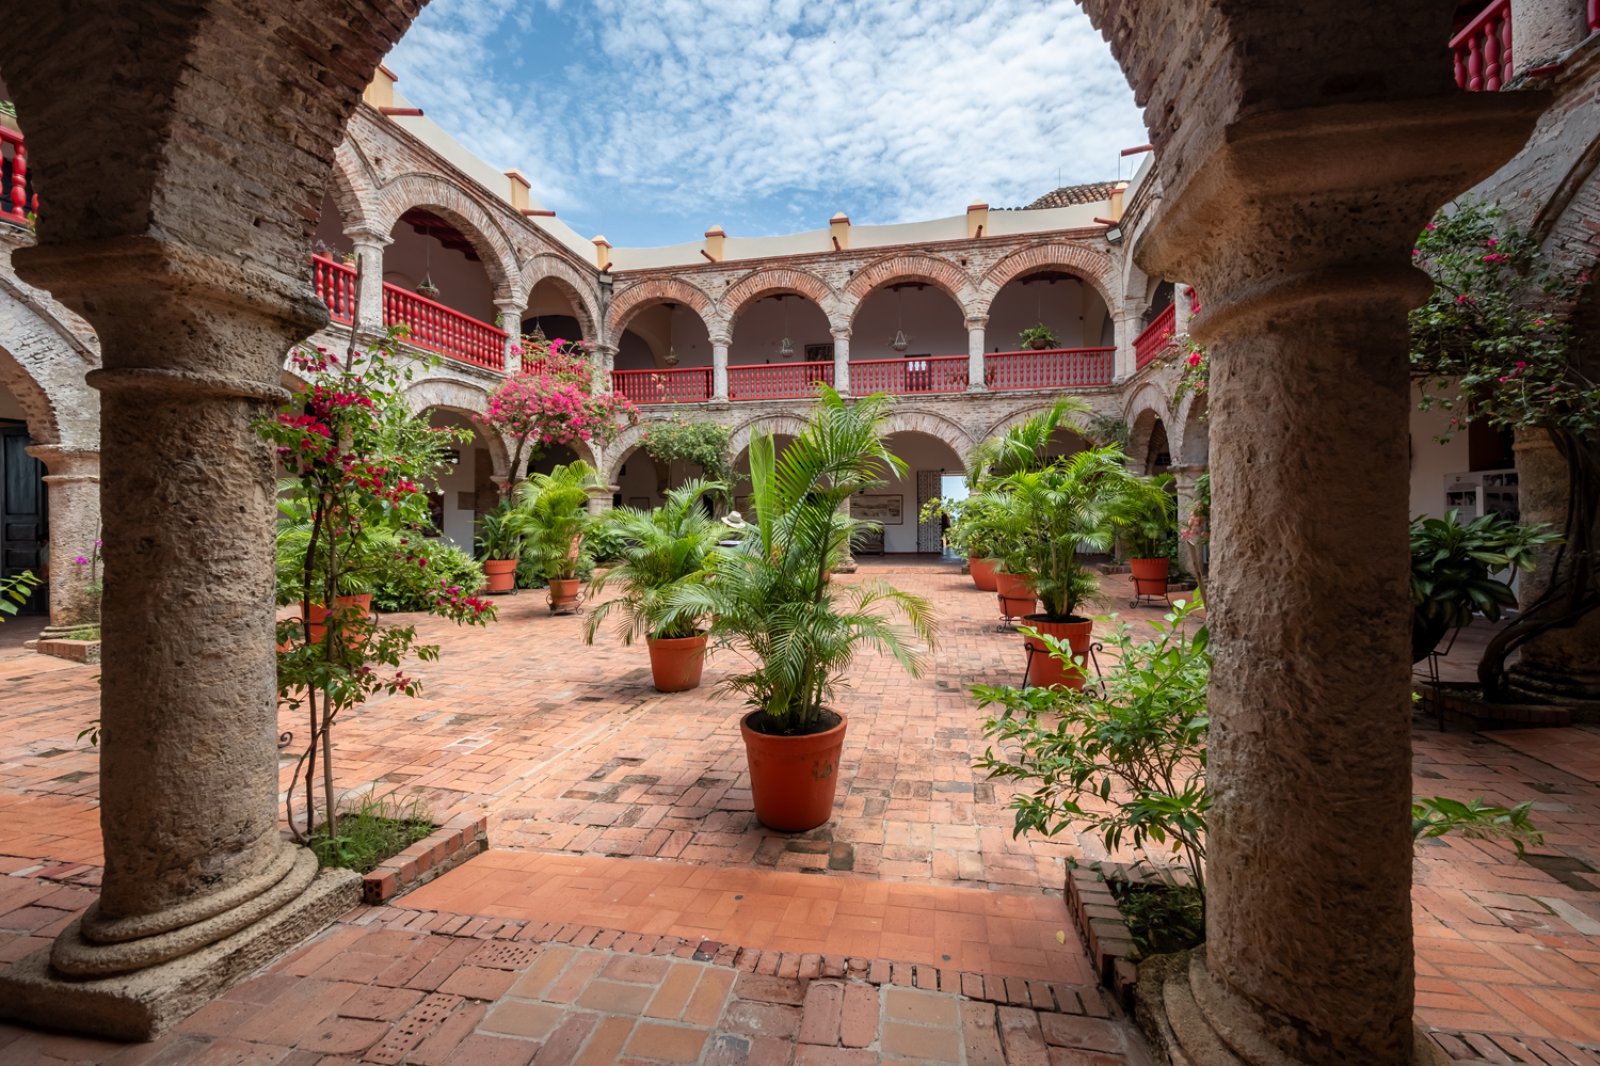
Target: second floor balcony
{"points": [[431, 324]]}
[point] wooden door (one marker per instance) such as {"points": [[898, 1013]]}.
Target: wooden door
{"points": [[24, 529]]}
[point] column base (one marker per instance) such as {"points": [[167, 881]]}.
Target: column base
{"points": [[1573, 688], [1192, 1020], [142, 1004]]}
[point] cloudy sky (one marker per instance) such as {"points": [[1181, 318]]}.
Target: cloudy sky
{"points": [[651, 120]]}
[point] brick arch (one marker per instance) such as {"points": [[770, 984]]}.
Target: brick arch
{"points": [[941, 273], [43, 359], [931, 424], [1095, 267], [1144, 408], [1147, 397], [351, 185], [739, 440], [452, 203], [652, 291], [1022, 414], [753, 287], [576, 286], [470, 402]]}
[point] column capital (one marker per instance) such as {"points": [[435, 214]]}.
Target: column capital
{"points": [[841, 334], [977, 321], [66, 462], [721, 340], [368, 236]]}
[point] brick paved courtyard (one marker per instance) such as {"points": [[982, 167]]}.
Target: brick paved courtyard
{"points": [[631, 909]]}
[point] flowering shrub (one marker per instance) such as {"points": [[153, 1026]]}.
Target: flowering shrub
{"points": [[354, 506], [1194, 370], [553, 402]]}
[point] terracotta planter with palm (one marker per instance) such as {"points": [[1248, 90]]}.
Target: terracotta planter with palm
{"points": [[501, 575], [501, 533], [797, 634], [1015, 593], [983, 573], [1150, 576], [662, 549], [1145, 523], [553, 515], [1046, 669]]}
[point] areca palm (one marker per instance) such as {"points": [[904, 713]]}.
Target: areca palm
{"points": [[1022, 447], [773, 600], [672, 544], [552, 513]]}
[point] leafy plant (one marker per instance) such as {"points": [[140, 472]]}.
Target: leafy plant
{"points": [[552, 512], [15, 590], [662, 549], [605, 543], [702, 443], [1025, 446], [450, 572], [978, 529], [772, 601], [1128, 763], [553, 402], [1034, 335], [1451, 571], [1143, 517], [1162, 918], [501, 532], [1477, 820], [371, 830]]}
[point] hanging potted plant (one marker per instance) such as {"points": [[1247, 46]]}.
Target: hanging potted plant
{"points": [[770, 601], [553, 511], [1145, 525], [500, 536], [662, 549], [1038, 337]]}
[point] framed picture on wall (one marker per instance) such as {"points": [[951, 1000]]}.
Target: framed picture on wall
{"points": [[887, 510], [819, 353]]}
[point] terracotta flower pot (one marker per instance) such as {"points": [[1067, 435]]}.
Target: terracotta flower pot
{"points": [[1045, 669], [502, 575], [983, 573], [352, 608], [1150, 576], [792, 779], [675, 663], [564, 594], [1039, 344], [1016, 594]]}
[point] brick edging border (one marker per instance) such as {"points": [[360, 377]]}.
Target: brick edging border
{"points": [[1103, 932], [441, 851]]}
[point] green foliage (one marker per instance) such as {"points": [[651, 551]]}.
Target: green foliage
{"points": [[500, 534], [1128, 763], [977, 529], [702, 443], [553, 514], [605, 543], [1162, 918], [375, 828], [401, 586], [1106, 429], [1022, 447], [15, 590], [661, 550], [1144, 518], [1477, 820], [1451, 568], [771, 600], [1028, 337]]}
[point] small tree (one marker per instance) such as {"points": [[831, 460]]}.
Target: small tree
{"points": [[552, 402], [702, 443]]}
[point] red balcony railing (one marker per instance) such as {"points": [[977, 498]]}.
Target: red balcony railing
{"points": [[16, 191], [1594, 14], [444, 329], [336, 284], [1156, 336], [1483, 49], [1053, 368], [909, 377], [691, 384], [780, 381]]}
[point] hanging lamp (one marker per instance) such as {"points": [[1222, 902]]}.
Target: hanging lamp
{"points": [[785, 346], [427, 288], [671, 358], [537, 336], [899, 343]]}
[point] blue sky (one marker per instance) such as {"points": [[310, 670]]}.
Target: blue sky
{"points": [[651, 120]]}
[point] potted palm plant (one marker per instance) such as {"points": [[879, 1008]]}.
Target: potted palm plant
{"points": [[770, 600], [661, 550], [975, 533], [1145, 524], [1054, 515], [500, 536], [553, 514]]}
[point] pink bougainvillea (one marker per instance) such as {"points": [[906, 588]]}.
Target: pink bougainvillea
{"points": [[553, 402]]}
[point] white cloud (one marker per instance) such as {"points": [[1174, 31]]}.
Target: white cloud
{"points": [[888, 109]]}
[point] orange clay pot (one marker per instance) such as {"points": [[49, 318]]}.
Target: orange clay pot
{"points": [[1150, 576], [502, 575], [564, 594], [983, 573], [675, 663], [351, 607], [1045, 669], [793, 779], [1016, 594]]}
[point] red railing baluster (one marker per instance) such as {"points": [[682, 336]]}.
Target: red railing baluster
{"points": [[1483, 61], [1155, 338], [691, 384], [14, 203], [432, 325], [1057, 368]]}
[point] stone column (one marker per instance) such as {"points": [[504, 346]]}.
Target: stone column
{"points": [[976, 380], [1300, 233], [1544, 30], [719, 368], [198, 886], [369, 246], [605, 358], [510, 320], [73, 483], [847, 561], [1125, 331], [1183, 480], [1559, 664], [600, 497], [841, 361]]}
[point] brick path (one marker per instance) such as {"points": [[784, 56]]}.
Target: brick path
{"points": [[592, 780]]}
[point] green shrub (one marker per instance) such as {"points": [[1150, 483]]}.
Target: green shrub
{"points": [[373, 829], [402, 586]]}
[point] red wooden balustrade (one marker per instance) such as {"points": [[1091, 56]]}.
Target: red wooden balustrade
{"points": [[690, 384], [1153, 341], [777, 381], [444, 329], [1483, 48], [16, 199], [1594, 14], [908, 377], [1052, 368], [336, 285]]}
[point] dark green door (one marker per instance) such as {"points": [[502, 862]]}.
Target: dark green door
{"points": [[24, 529]]}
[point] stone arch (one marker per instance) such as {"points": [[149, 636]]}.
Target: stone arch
{"points": [[452, 203], [1147, 397], [940, 273], [1191, 444], [576, 286], [1022, 414], [739, 440], [932, 424], [468, 401], [43, 359], [351, 186], [651, 291], [753, 287], [1095, 267]]}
